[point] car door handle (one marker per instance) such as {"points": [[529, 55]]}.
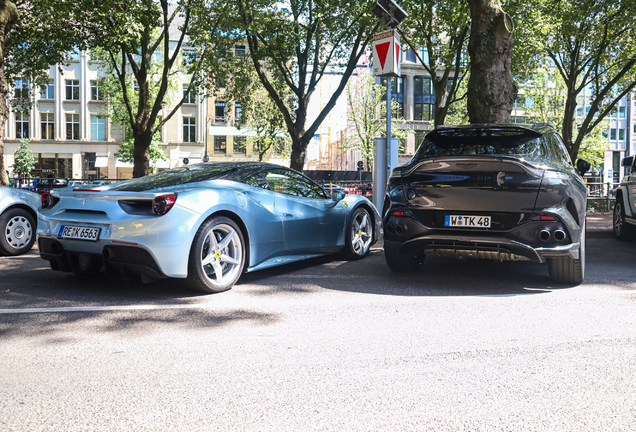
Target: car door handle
{"points": [[288, 215]]}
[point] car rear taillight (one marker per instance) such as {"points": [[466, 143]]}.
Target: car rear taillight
{"points": [[163, 203], [48, 200]]}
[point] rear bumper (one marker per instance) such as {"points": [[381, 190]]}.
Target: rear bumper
{"points": [[498, 248], [127, 260]]}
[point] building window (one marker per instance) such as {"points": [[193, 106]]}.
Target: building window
{"points": [[423, 111], [410, 56], [237, 112], [424, 98], [21, 88], [613, 134], [424, 55], [72, 127], [621, 112], [72, 90], [47, 125], [21, 125], [220, 143], [49, 91], [397, 94], [240, 144], [96, 91], [579, 110], [219, 112], [189, 97], [97, 128], [189, 129], [621, 134]]}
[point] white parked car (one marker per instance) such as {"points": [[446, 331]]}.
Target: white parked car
{"points": [[18, 220]]}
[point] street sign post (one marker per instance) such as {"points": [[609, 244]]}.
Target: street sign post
{"points": [[387, 52]]}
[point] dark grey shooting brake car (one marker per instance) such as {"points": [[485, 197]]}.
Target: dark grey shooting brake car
{"points": [[504, 192]]}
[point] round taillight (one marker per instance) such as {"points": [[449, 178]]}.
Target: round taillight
{"points": [[163, 203], [46, 200]]}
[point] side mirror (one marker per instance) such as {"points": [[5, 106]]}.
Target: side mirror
{"points": [[583, 166], [628, 161], [338, 196]]}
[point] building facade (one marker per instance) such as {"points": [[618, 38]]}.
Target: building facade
{"points": [[71, 137]]}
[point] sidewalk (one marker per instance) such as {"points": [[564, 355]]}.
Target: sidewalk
{"points": [[599, 222]]}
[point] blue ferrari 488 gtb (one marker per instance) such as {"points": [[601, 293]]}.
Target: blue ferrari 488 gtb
{"points": [[208, 223]]}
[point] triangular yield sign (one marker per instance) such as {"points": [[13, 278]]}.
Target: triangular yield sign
{"points": [[383, 50]]}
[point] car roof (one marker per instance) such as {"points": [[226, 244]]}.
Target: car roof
{"points": [[537, 127]]}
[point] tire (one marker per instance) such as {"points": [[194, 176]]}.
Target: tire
{"points": [[622, 230], [403, 262], [359, 234], [17, 232], [217, 256], [567, 270]]}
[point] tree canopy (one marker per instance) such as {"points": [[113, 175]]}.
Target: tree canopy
{"points": [[303, 40], [441, 28], [590, 43]]}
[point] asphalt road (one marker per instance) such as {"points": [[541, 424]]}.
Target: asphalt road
{"points": [[324, 345]]}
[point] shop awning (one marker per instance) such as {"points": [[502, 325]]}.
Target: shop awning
{"points": [[122, 164], [101, 162], [163, 163]]}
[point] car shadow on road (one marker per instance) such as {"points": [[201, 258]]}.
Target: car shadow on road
{"points": [[438, 277]]}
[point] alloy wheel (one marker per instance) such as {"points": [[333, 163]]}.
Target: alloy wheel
{"points": [[221, 255], [361, 233]]}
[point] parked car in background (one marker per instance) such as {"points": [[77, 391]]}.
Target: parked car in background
{"points": [[18, 220], [75, 183], [624, 218], [503, 192], [208, 223]]}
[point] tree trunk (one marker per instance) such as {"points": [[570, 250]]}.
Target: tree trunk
{"points": [[567, 130], [299, 150], [8, 16], [491, 88], [141, 153]]}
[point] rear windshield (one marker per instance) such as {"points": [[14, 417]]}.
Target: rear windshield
{"points": [[503, 142], [174, 177]]}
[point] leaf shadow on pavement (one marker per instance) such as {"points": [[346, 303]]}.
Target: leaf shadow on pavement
{"points": [[27, 282]]}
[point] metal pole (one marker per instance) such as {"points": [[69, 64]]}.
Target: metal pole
{"points": [[380, 166], [206, 158]]}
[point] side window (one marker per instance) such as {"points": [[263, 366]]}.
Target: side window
{"points": [[311, 189], [256, 180], [557, 149], [290, 183]]}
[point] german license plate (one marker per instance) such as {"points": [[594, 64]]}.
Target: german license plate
{"points": [[79, 233], [467, 221]]}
